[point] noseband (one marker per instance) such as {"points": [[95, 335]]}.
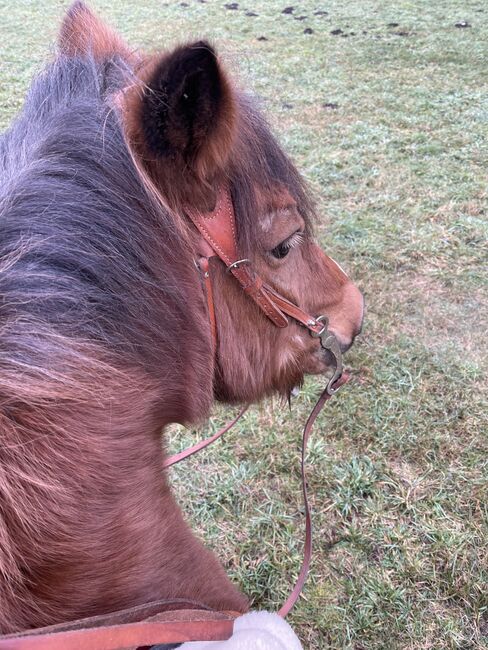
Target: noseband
{"points": [[218, 229]]}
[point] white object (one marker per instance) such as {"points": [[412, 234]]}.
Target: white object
{"points": [[254, 631]]}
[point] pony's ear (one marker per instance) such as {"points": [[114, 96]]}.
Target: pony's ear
{"points": [[181, 119], [82, 33]]}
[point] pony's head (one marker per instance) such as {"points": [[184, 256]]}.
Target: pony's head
{"points": [[190, 131]]}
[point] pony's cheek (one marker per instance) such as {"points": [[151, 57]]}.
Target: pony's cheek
{"points": [[306, 354]]}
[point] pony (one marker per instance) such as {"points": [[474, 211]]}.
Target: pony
{"points": [[104, 324]]}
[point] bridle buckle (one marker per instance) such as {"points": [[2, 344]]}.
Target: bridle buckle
{"points": [[237, 264], [329, 342]]}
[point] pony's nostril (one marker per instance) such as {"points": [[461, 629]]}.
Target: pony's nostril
{"points": [[345, 346]]}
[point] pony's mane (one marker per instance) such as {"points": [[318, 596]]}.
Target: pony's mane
{"points": [[86, 252]]}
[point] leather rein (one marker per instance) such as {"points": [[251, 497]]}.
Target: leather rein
{"points": [[178, 620]]}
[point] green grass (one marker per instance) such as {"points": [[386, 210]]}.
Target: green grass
{"points": [[398, 464]]}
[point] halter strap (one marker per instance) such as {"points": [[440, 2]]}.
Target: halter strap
{"points": [[307, 547], [189, 451], [218, 228]]}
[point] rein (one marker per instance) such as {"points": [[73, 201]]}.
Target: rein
{"points": [[179, 620]]}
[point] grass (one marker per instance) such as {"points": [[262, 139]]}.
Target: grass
{"points": [[389, 124]]}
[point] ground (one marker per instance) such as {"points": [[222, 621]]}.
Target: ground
{"points": [[384, 106]]}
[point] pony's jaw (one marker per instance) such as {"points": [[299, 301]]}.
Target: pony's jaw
{"points": [[271, 361]]}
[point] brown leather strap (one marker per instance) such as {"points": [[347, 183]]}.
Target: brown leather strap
{"points": [[204, 266], [218, 228], [118, 637], [186, 453], [307, 551], [293, 310], [129, 628]]}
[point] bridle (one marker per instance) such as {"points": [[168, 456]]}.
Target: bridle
{"points": [[157, 622], [218, 230]]}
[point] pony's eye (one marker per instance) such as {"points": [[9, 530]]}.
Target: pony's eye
{"points": [[285, 247], [281, 250]]}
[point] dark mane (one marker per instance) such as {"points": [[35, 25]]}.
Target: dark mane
{"points": [[81, 242], [82, 245]]}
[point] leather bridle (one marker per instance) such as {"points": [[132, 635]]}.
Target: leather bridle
{"points": [[157, 622], [218, 229]]}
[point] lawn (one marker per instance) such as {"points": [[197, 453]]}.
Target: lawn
{"points": [[384, 106]]}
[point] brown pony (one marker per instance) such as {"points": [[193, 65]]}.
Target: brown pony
{"points": [[104, 332]]}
